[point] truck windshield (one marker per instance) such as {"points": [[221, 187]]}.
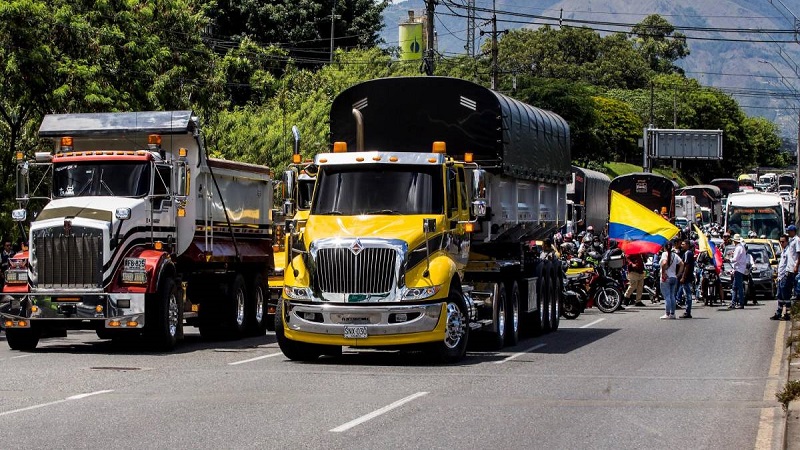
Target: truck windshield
{"points": [[764, 220], [117, 179], [350, 191]]}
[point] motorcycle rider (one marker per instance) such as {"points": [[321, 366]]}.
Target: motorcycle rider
{"points": [[548, 251]]}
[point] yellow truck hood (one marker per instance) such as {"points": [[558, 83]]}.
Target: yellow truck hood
{"points": [[405, 228]]}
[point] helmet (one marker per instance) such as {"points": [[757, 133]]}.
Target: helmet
{"points": [[590, 228], [568, 236], [752, 234], [587, 239]]}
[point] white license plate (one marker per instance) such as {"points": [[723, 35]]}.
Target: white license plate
{"points": [[134, 263], [355, 332]]}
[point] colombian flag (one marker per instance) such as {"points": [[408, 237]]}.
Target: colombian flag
{"points": [[636, 228], [704, 245]]}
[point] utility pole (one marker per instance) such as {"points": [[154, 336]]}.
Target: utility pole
{"points": [[428, 61], [471, 29], [494, 47], [333, 18]]}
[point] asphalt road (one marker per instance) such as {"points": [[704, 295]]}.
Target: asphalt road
{"points": [[622, 380]]}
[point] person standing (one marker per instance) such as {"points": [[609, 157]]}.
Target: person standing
{"points": [[785, 279], [635, 278], [739, 262], [671, 264], [687, 276]]}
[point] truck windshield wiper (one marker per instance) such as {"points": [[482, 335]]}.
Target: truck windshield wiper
{"points": [[386, 212], [332, 212]]}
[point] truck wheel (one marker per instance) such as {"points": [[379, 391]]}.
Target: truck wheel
{"points": [[547, 322], [163, 316], [296, 351], [497, 337], [454, 345], [541, 298], [22, 339], [235, 309], [256, 317], [512, 314], [556, 290]]}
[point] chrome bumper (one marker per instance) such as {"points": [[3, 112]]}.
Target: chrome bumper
{"points": [[119, 307], [380, 320]]}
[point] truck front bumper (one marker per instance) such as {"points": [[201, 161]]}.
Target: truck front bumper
{"points": [[123, 309], [386, 325]]}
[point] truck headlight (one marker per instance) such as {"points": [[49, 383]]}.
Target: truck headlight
{"points": [[420, 293], [297, 293], [16, 277]]}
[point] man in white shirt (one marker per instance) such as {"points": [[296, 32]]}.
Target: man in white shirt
{"points": [[739, 263]]}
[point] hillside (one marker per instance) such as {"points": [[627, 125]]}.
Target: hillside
{"points": [[731, 66]]}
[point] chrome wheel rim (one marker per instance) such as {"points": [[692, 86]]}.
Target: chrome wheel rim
{"points": [[515, 312], [259, 305], [240, 301], [456, 326], [501, 318], [172, 315]]}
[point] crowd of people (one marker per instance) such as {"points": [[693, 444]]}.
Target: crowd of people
{"points": [[680, 264]]}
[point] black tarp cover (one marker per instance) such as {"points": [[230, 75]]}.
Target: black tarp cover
{"points": [[408, 114]]}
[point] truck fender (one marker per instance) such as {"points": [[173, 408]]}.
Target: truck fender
{"points": [[157, 263]]}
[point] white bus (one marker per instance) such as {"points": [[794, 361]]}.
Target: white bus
{"points": [[761, 212]]}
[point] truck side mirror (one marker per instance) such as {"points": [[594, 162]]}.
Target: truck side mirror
{"points": [[289, 184], [182, 182], [19, 215], [478, 208], [479, 185], [428, 225], [289, 208], [22, 181]]}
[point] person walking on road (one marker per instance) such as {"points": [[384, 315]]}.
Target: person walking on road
{"points": [[635, 278], [671, 265], [686, 277], [785, 279], [739, 262]]}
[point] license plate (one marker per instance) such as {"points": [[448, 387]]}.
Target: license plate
{"points": [[355, 332], [134, 263]]}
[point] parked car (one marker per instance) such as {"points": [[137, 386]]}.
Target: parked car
{"points": [[760, 278]]}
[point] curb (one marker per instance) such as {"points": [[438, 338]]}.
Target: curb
{"points": [[791, 429]]}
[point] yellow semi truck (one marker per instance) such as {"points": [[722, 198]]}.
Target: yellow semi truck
{"points": [[424, 233]]}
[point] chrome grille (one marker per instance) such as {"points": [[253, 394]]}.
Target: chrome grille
{"points": [[68, 261], [371, 271]]}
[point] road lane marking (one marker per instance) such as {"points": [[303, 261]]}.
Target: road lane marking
{"points": [[21, 356], [592, 323], [255, 359], [376, 413], [42, 405], [766, 427], [515, 355]]}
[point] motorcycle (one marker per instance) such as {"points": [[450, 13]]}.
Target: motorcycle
{"points": [[587, 284], [710, 285]]}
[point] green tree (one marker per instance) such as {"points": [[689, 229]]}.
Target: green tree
{"points": [[763, 137], [303, 27], [573, 102], [618, 129], [660, 44]]}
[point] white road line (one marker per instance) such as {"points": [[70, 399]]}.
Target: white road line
{"points": [[42, 405], [592, 323], [515, 355], [768, 416], [376, 413], [21, 356], [255, 359]]}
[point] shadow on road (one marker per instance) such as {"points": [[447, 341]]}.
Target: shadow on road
{"points": [[87, 343]]}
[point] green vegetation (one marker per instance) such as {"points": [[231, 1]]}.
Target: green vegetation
{"points": [[252, 70], [615, 169]]}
